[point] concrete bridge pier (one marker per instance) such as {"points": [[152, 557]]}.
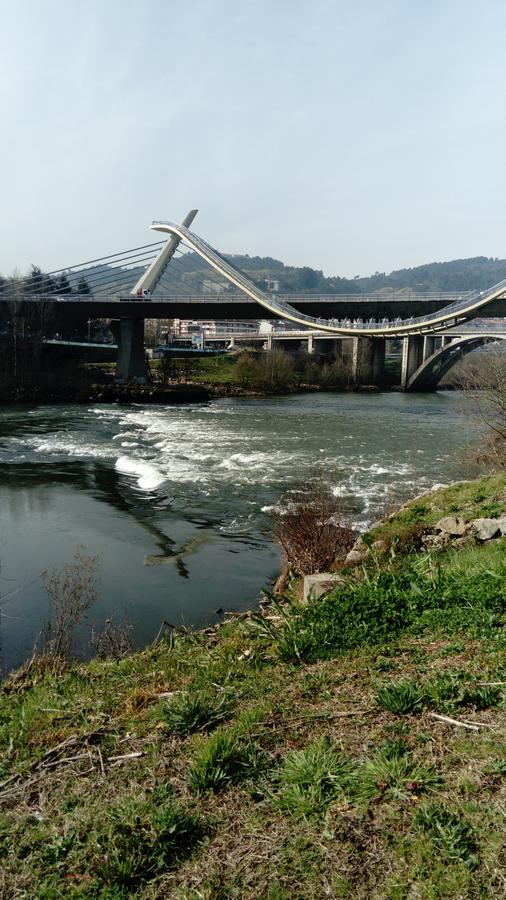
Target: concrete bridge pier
{"points": [[412, 357], [131, 365], [367, 360]]}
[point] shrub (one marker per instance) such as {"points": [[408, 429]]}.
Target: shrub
{"points": [[308, 525], [273, 370], [311, 779], [72, 590]]}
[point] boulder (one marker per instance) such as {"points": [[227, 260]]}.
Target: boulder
{"points": [[501, 521], [467, 540], [484, 529], [322, 582], [357, 554], [435, 541], [354, 558], [452, 525]]}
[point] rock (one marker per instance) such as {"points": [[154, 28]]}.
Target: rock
{"points": [[435, 541], [360, 545], [357, 554], [316, 585], [355, 557], [454, 525], [484, 529], [467, 540], [502, 524]]}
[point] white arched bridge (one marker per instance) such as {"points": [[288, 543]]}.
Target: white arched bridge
{"points": [[460, 310], [432, 341]]}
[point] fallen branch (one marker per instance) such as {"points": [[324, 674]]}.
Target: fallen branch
{"points": [[454, 721], [51, 764], [124, 756]]}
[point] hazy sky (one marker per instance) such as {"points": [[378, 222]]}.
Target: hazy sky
{"points": [[349, 135]]}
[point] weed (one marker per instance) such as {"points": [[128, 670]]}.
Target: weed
{"points": [[194, 711], [393, 774], [450, 693], [316, 684], [311, 779], [448, 832], [144, 840], [223, 760], [401, 697]]}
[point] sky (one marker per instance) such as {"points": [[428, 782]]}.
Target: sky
{"points": [[352, 136]]}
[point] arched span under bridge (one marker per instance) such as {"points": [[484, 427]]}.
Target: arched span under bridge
{"points": [[430, 372], [457, 312]]}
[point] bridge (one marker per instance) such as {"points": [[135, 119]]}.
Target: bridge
{"points": [[367, 320]]}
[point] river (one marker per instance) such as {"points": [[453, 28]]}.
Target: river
{"points": [[174, 501]]}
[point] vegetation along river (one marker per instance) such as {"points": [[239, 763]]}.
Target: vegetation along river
{"points": [[175, 500]]}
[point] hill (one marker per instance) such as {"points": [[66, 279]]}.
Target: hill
{"points": [[476, 273]]}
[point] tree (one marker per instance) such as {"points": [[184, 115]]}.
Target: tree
{"points": [[36, 282], [274, 370], [62, 284], [83, 286], [484, 378]]}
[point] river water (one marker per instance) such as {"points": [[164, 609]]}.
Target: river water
{"points": [[174, 501]]}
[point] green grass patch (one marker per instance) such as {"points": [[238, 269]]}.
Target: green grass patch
{"points": [[379, 606], [449, 833], [469, 499], [222, 760], [310, 780], [196, 711]]}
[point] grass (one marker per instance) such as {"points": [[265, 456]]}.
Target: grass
{"points": [[449, 833], [297, 759], [196, 711], [469, 499], [311, 779], [212, 370], [422, 595], [222, 760]]}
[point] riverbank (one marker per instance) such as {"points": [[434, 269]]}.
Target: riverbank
{"points": [[349, 747], [110, 393]]}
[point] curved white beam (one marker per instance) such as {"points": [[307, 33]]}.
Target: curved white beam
{"points": [[444, 318]]}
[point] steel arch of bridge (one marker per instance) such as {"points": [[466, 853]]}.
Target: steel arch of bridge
{"points": [[447, 317], [429, 373]]}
